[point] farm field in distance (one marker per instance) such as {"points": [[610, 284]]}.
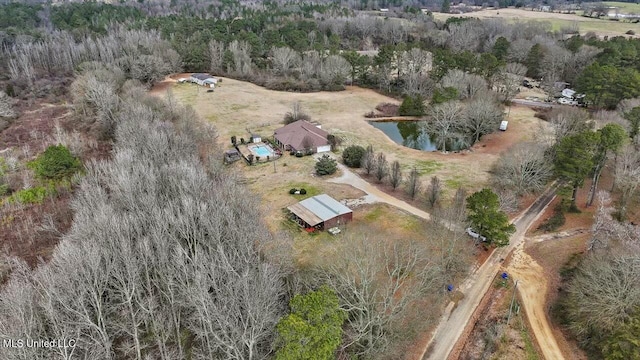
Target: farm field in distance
{"points": [[556, 21]]}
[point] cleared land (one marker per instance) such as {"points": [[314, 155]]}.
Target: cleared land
{"points": [[556, 21], [236, 106], [625, 8]]}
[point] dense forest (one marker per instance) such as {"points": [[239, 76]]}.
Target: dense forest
{"points": [[158, 265]]}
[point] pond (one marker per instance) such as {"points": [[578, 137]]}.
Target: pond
{"points": [[414, 134], [407, 133]]}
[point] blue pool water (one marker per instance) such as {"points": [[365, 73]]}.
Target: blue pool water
{"points": [[262, 151]]}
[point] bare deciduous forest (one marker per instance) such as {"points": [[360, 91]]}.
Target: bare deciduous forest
{"points": [[153, 250]]}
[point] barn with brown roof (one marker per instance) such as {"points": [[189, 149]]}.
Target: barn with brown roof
{"points": [[302, 136]]}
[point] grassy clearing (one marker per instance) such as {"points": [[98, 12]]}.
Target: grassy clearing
{"points": [[625, 8], [555, 21], [424, 167]]}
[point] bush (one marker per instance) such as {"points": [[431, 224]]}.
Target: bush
{"points": [[412, 106], [31, 196], [303, 192], [326, 166], [352, 156], [55, 163], [293, 191], [555, 221]]}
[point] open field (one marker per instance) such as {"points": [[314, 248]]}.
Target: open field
{"points": [[236, 106], [625, 8], [556, 21]]}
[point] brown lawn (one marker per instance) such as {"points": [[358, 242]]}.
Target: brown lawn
{"points": [[556, 21]]}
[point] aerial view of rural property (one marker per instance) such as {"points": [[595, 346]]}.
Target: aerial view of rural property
{"points": [[319, 180]]}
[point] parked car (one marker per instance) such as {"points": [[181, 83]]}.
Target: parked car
{"points": [[475, 235]]}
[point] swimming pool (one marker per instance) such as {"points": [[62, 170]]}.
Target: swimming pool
{"points": [[262, 150]]}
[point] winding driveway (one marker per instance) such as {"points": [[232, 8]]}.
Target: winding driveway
{"points": [[453, 322], [373, 194]]}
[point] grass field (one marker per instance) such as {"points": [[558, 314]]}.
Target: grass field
{"points": [[625, 8], [555, 21]]}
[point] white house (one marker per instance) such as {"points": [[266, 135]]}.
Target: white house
{"points": [[203, 79]]}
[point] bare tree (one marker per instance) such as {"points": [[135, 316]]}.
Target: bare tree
{"points": [[369, 160], [568, 121], [627, 177], [524, 168], [216, 55], [508, 80], [482, 116], [445, 123], [376, 281], [335, 70], [284, 59], [311, 64], [241, 52], [295, 114], [434, 191], [382, 167], [465, 36], [467, 85], [395, 178], [6, 106], [413, 183]]}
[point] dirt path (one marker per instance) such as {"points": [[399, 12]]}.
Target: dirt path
{"points": [[452, 324], [373, 194], [532, 287]]}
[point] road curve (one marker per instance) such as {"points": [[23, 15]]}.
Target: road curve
{"points": [[452, 324]]}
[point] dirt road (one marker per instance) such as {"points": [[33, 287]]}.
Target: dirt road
{"points": [[453, 323], [532, 286]]}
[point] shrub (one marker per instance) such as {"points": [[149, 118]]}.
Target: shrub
{"points": [[412, 106], [303, 192], [55, 163], [299, 154], [295, 114], [326, 165], [629, 32], [352, 156], [31, 196], [293, 191], [555, 221]]}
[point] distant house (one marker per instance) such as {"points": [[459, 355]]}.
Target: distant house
{"points": [[320, 212], [302, 136], [384, 10], [203, 79]]}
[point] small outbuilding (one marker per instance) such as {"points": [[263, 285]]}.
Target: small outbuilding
{"points": [[231, 156], [320, 212]]}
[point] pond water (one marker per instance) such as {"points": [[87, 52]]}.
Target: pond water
{"points": [[406, 133]]}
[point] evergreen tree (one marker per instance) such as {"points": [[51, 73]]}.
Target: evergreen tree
{"points": [[534, 58], [487, 219]]}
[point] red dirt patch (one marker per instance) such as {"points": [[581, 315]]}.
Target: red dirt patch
{"points": [[552, 255]]}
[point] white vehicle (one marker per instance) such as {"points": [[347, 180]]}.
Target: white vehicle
{"points": [[475, 235], [503, 125]]}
